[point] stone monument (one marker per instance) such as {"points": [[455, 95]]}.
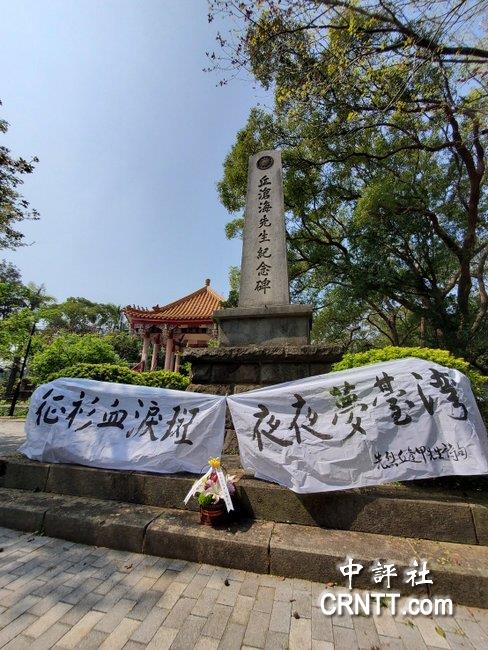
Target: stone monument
{"points": [[265, 340], [264, 315]]}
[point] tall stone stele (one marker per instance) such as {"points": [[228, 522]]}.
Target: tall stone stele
{"points": [[265, 340], [264, 316]]}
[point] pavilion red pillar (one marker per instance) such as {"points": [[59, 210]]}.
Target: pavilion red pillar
{"points": [[155, 354], [168, 358], [177, 361], [145, 349]]}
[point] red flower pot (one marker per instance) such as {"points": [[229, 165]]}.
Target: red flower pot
{"points": [[212, 514]]}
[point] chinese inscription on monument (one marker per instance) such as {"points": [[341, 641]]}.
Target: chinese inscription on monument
{"points": [[264, 272]]}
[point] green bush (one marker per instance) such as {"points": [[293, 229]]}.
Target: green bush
{"points": [[185, 368], [123, 375], [67, 350], [390, 353], [163, 379], [99, 371], [442, 357]]}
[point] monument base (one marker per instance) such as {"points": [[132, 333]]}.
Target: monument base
{"points": [[271, 325], [227, 370]]}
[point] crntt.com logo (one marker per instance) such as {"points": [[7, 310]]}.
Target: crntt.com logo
{"points": [[370, 603]]}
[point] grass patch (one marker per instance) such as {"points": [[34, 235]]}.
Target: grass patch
{"points": [[21, 408]]}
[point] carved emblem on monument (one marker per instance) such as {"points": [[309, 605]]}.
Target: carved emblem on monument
{"points": [[265, 162]]}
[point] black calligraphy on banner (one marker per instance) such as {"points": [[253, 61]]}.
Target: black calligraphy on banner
{"points": [[80, 413], [402, 408], [266, 425], [351, 410], [446, 386], [49, 412], [347, 402], [442, 451], [303, 421], [393, 421]]}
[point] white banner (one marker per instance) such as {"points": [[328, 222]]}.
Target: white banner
{"points": [[398, 420], [119, 426]]}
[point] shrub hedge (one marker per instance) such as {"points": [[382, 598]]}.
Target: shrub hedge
{"points": [[390, 353], [163, 379], [121, 375]]}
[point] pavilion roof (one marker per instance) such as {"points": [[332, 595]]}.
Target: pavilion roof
{"points": [[199, 306]]}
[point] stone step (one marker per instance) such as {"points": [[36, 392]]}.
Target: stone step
{"points": [[406, 511], [458, 570]]}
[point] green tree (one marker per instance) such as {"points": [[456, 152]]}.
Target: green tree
{"points": [[19, 305], [13, 206], [14, 334], [15, 295], [69, 349], [127, 347], [234, 283], [80, 316], [358, 323], [380, 112], [9, 273], [23, 305]]}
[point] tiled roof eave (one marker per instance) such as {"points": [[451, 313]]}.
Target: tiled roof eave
{"points": [[198, 306], [147, 318]]}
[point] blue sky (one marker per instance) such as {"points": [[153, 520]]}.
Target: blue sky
{"points": [[131, 136]]}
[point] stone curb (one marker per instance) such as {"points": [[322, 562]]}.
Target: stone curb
{"points": [[386, 510], [243, 545], [459, 571]]}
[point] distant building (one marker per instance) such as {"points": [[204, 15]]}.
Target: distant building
{"points": [[187, 322]]}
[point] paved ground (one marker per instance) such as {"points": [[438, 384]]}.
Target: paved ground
{"points": [[11, 435], [58, 594]]}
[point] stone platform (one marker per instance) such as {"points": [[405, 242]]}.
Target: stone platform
{"points": [[289, 550], [274, 530], [397, 510], [227, 370]]}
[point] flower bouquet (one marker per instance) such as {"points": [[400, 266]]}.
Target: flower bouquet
{"points": [[213, 492]]}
